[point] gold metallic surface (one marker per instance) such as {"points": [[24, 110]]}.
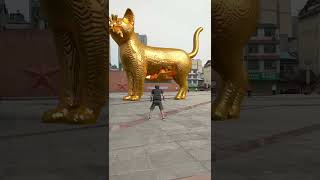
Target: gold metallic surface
{"points": [[153, 63], [234, 21], [80, 36]]}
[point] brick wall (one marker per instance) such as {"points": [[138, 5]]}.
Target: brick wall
{"points": [[118, 83], [28, 64]]}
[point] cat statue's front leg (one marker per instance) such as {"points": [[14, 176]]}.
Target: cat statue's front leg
{"points": [[130, 87], [133, 92], [138, 84]]}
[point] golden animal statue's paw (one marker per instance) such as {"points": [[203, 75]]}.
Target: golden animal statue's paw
{"points": [[131, 98], [82, 115], [234, 112], [57, 115], [219, 115], [179, 97], [224, 113], [134, 98], [126, 98]]}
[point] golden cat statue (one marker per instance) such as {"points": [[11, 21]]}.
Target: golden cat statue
{"points": [[80, 36], [234, 21], [142, 62]]}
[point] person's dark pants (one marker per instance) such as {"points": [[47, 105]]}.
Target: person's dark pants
{"points": [[249, 93], [273, 92], [156, 103]]}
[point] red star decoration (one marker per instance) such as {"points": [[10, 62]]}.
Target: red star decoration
{"points": [[122, 84], [41, 75]]}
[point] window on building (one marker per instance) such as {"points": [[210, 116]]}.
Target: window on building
{"points": [[253, 48], [253, 65], [270, 65], [270, 48], [269, 32]]}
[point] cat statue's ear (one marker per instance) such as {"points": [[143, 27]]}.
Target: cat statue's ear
{"points": [[129, 16]]}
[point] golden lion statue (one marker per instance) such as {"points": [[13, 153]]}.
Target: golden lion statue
{"points": [[144, 62], [234, 21], [80, 36]]}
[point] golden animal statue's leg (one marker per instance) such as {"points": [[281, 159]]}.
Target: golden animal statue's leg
{"points": [[183, 86], [240, 92], [90, 36], [68, 89], [223, 103], [227, 105], [130, 86], [138, 86], [231, 33]]}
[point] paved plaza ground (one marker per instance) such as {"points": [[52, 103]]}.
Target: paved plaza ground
{"points": [[177, 148], [276, 138], [30, 150]]}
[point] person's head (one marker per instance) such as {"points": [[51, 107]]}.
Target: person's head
{"points": [[156, 86]]}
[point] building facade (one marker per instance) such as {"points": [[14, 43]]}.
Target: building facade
{"points": [[36, 18], [17, 21], [262, 54], [207, 74], [309, 37], [195, 77], [4, 15]]}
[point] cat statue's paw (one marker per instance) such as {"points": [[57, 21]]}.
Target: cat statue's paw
{"points": [[131, 98], [56, 115], [82, 115], [135, 98], [126, 98]]}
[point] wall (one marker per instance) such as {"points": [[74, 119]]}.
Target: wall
{"points": [[308, 43], [118, 83], [28, 64]]}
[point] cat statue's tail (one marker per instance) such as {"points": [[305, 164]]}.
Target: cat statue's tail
{"points": [[195, 43]]}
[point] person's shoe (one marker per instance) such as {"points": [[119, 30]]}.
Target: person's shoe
{"points": [[162, 118]]}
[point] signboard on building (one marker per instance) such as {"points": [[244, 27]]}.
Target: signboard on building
{"points": [[259, 76]]}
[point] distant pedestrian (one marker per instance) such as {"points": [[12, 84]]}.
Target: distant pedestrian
{"points": [[274, 89], [156, 97], [249, 91]]}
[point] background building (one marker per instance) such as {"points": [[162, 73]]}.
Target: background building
{"points": [[4, 15], [309, 33], [195, 78], [207, 74], [17, 21], [36, 19], [308, 44], [263, 52]]}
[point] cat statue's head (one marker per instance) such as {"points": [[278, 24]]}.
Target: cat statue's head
{"points": [[121, 29]]}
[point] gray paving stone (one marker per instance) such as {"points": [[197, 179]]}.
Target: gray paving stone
{"points": [[292, 158], [161, 139], [32, 150], [129, 166]]}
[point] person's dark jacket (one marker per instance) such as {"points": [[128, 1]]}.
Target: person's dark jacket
{"points": [[156, 95]]}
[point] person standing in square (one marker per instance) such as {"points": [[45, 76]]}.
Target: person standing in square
{"points": [[156, 99]]}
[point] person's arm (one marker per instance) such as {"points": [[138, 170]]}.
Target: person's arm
{"points": [[151, 96], [162, 94]]}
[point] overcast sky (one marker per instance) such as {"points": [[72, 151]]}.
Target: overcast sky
{"points": [[168, 23]]}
